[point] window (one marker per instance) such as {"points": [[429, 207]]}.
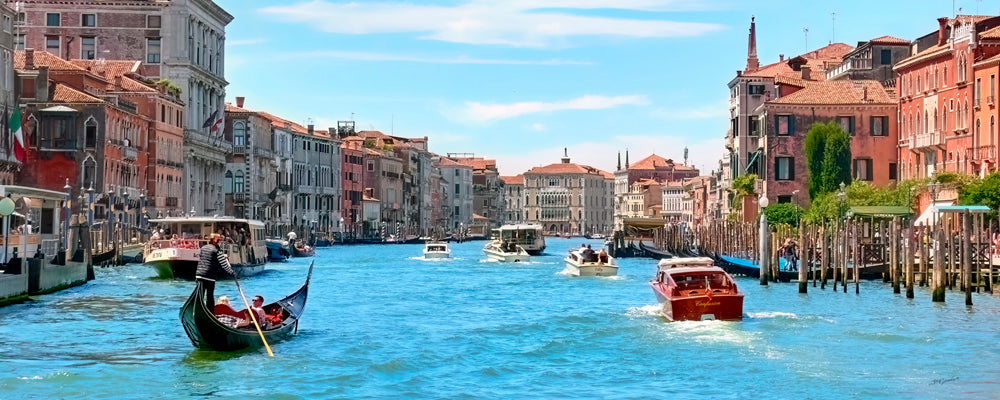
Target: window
{"points": [[229, 182], [880, 126], [457, 213], [238, 186], [153, 50], [371, 165], [784, 199], [863, 169], [978, 91], [28, 88], [18, 42], [52, 45], [784, 168], [456, 189], [847, 124], [90, 134], [755, 90], [152, 21], [886, 57], [754, 127], [893, 173], [88, 48], [785, 125], [993, 89], [51, 19], [239, 134], [88, 20]]}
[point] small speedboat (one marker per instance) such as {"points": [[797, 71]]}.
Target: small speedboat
{"points": [[436, 250], [586, 262], [505, 252], [277, 250], [694, 289]]}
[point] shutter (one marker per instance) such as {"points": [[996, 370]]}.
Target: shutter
{"points": [[850, 125], [777, 125], [791, 125], [777, 167], [868, 170], [854, 168], [791, 168], [871, 126]]}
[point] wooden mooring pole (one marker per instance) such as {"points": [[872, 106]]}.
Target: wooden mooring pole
{"points": [[937, 291], [908, 260], [967, 257], [765, 255], [803, 260]]}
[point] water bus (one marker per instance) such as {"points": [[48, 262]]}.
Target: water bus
{"points": [[176, 254]]}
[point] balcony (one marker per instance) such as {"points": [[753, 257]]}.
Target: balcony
{"points": [[239, 149], [854, 64], [130, 153], [331, 191], [981, 153], [260, 151], [926, 140], [239, 197]]}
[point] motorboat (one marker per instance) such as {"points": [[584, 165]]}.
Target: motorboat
{"points": [[277, 250], [436, 250], [585, 262], [177, 252], [505, 252], [695, 289], [596, 236], [528, 236]]}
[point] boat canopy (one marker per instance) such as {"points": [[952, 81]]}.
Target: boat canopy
{"points": [[685, 262]]}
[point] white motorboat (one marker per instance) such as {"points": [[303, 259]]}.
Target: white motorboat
{"points": [[582, 262], [437, 250], [505, 252], [528, 236], [177, 253]]}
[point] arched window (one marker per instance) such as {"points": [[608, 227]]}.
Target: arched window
{"points": [[239, 134], [992, 126], [229, 182], [238, 186], [90, 132], [927, 122], [977, 127], [936, 127]]}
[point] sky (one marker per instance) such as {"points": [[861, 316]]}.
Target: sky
{"points": [[519, 81]]}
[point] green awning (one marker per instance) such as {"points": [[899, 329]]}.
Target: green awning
{"points": [[880, 211]]}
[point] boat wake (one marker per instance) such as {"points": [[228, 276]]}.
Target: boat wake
{"points": [[422, 258], [784, 315]]}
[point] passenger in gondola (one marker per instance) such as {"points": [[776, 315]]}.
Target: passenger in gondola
{"points": [[224, 313], [258, 309], [276, 315], [212, 264]]}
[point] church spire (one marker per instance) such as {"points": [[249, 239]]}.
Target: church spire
{"points": [[619, 161], [626, 159], [752, 63]]}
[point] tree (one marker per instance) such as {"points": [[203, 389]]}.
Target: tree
{"points": [[985, 192], [784, 213], [828, 158]]}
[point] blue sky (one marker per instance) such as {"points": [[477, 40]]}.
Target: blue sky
{"points": [[519, 80]]}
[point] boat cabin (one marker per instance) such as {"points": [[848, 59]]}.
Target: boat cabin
{"points": [[437, 247], [244, 238]]}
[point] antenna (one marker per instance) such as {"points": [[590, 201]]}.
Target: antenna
{"points": [[833, 28], [805, 31]]}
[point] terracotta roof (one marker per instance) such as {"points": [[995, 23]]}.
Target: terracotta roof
{"points": [[65, 94], [839, 92], [791, 80], [513, 180], [284, 123], [654, 161], [817, 60], [927, 54], [567, 168], [477, 163], [44, 59], [890, 40], [993, 33], [647, 182], [107, 68], [447, 162]]}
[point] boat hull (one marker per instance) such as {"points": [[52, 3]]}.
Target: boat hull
{"points": [[506, 257], [437, 254], [183, 263], [592, 270], [699, 307]]}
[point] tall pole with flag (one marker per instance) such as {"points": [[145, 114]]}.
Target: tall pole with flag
{"points": [[15, 128]]}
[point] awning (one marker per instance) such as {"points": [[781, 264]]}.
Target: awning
{"points": [[880, 211], [753, 159], [947, 207]]}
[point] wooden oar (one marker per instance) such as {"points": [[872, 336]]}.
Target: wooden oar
{"points": [[253, 314]]}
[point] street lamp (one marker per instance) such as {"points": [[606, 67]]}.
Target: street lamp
{"points": [[90, 204], [69, 199]]}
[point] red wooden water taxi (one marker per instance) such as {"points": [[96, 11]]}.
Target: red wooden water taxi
{"points": [[694, 289]]}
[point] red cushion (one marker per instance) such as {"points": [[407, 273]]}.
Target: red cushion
{"points": [[222, 309]]}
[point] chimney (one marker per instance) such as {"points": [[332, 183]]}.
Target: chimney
{"points": [[806, 72], [310, 129], [781, 57], [29, 58], [333, 131], [565, 159], [752, 63], [239, 101], [942, 25]]}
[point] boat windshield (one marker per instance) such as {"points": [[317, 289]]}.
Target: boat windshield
{"points": [[435, 248], [690, 281]]}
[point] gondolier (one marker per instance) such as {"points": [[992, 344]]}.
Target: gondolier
{"points": [[212, 264]]}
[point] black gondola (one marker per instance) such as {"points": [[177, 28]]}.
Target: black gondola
{"points": [[206, 331]]}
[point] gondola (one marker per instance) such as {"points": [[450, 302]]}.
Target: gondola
{"points": [[206, 331]]}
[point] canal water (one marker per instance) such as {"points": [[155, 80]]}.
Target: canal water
{"points": [[381, 322]]}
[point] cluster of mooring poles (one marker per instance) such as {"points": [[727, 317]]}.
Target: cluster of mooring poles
{"points": [[952, 250]]}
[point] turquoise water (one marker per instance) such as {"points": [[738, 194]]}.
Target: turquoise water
{"points": [[381, 322]]}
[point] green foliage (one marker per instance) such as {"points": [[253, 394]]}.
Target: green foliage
{"points": [[827, 149], [985, 192], [828, 206], [169, 86], [369, 143], [743, 186], [784, 213]]}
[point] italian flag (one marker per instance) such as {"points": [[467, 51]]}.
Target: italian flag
{"points": [[15, 127]]}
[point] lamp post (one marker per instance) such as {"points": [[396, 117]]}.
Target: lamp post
{"points": [[66, 209], [127, 216], [111, 216], [90, 205], [142, 209], [765, 252]]}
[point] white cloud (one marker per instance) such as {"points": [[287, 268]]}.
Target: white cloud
{"points": [[369, 56], [519, 23], [703, 154], [478, 112], [538, 127]]}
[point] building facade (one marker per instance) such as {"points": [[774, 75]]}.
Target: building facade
{"points": [[569, 198]]}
